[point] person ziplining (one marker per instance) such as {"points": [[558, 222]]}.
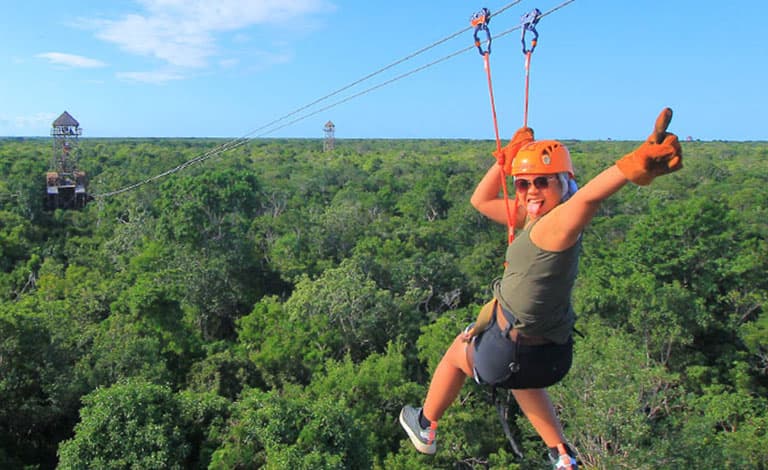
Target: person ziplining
{"points": [[522, 339]]}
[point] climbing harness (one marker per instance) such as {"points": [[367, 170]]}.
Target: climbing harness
{"points": [[481, 326], [528, 23], [480, 22], [502, 411]]}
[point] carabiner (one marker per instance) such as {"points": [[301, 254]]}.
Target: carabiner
{"points": [[480, 21], [528, 23]]}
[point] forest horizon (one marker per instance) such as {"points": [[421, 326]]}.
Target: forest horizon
{"points": [[269, 304]]}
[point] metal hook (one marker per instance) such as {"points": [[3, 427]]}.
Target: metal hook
{"points": [[480, 21], [528, 23]]}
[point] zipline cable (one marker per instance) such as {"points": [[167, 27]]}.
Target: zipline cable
{"points": [[243, 139], [234, 143], [377, 72], [405, 74]]}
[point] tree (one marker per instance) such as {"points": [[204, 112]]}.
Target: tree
{"points": [[145, 336], [211, 209], [121, 350], [322, 288], [724, 429], [16, 237], [225, 371], [367, 390], [612, 399], [287, 430], [345, 311], [205, 221], [136, 424], [39, 393]]}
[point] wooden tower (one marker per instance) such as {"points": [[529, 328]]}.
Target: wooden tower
{"points": [[329, 141], [66, 185]]}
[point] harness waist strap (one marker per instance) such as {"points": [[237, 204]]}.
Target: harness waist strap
{"points": [[514, 333]]}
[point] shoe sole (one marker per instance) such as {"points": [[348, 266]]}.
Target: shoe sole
{"points": [[428, 449]]}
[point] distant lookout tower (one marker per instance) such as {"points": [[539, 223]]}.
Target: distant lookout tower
{"points": [[329, 141], [66, 185]]}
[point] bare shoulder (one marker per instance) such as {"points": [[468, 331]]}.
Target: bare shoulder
{"points": [[552, 232]]}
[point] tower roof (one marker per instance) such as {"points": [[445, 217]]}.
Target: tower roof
{"points": [[66, 120]]}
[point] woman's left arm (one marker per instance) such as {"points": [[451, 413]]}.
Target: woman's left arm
{"points": [[659, 155], [570, 217]]}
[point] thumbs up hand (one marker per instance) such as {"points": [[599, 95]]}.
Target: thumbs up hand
{"points": [[659, 155]]}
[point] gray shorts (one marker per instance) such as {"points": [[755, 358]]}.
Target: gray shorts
{"points": [[499, 361]]}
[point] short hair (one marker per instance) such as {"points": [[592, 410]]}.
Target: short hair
{"points": [[568, 186]]}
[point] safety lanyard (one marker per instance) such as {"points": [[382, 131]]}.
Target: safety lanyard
{"points": [[528, 23], [480, 22]]}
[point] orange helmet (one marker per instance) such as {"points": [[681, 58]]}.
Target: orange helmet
{"points": [[542, 157]]}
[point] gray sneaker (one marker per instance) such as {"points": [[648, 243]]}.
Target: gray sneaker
{"points": [[422, 439], [562, 459], [566, 462]]}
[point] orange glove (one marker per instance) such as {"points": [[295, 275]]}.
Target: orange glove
{"points": [[659, 155], [505, 156]]}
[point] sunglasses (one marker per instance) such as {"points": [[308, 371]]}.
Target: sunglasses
{"points": [[541, 182]]}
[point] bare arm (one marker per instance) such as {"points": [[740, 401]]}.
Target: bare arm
{"points": [[579, 210], [562, 227], [659, 155], [486, 197]]}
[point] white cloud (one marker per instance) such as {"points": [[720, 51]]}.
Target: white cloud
{"points": [[172, 40], [182, 32], [71, 60], [33, 124], [150, 77], [227, 63], [35, 120], [230, 15]]}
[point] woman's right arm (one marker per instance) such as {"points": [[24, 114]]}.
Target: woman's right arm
{"points": [[486, 196]]}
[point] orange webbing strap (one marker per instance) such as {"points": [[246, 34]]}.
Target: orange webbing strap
{"points": [[480, 22], [528, 24], [527, 82], [529, 21], [483, 318], [511, 211]]}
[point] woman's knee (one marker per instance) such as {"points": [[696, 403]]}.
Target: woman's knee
{"points": [[457, 355]]}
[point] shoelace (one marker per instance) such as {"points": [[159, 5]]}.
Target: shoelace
{"points": [[566, 462], [431, 432]]}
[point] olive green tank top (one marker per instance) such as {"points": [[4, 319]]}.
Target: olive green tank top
{"points": [[536, 288]]}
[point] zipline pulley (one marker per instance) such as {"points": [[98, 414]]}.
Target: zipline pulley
{"points": [[480, 22], [528, 23]]}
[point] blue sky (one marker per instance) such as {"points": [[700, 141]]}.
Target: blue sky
{"points": [[226, 68]]}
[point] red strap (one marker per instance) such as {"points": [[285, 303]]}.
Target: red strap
{"points": [[511, 212], [527, 80]]}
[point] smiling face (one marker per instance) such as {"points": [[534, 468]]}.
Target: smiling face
{"points": [[539, 193]]}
